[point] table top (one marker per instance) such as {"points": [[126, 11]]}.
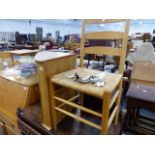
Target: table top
{"points": [[23, 52], [46, 56], [25, 81], [111, 81], [141, 91], [59, 50]]}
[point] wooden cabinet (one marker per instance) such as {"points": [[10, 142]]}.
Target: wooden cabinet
{"points": [[8, 126], [14, 95], [49, 64], [16, 92], [21, 92]]}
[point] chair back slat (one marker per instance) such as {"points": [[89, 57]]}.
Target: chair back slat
{"points": [[103, 50], [105, 35], [103, 21]]}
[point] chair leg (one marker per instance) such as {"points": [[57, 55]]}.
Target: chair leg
{"points": [[105, 113], [118, 104], [116, 115]]}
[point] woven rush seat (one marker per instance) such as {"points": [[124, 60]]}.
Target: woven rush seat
{"points": [[111, 81]]}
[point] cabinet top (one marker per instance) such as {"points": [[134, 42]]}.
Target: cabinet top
{"points": [[25, 81], [50, 55], [23, 52]]}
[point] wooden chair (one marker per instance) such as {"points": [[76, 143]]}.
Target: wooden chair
{"points": [[110, 94], [5, 56], [140, 95]]}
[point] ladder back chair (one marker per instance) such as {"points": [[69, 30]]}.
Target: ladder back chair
{"points": [[107, 35], [109, 94]]}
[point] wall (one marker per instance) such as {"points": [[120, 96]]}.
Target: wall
{"points": [[67, 26], [23, 26]]}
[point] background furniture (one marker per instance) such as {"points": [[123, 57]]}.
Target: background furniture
{"points": [[23, 52], [140, 96]]}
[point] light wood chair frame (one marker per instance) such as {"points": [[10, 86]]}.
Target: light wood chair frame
{"points": [[111, 35], [111, 97]]}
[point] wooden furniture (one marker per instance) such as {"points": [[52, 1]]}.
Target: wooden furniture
{"points": [[16, 91], [110, 93], [72, 46], [59, 50], [29, 121], [141, 96], [29, 47], [5, 56], [111, 35], [49, 64], [23, 52]]}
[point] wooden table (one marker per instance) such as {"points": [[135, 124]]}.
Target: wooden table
{"points": [[23, 52], [16, 91], [110, 94], [21, 46], [59, 50], [49, 64], [140, 96]]}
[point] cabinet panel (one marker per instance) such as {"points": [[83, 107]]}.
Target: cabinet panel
{"points": [[12, 96]]}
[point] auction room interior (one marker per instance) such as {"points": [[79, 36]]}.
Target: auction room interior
{"points": [[77, 76]]}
